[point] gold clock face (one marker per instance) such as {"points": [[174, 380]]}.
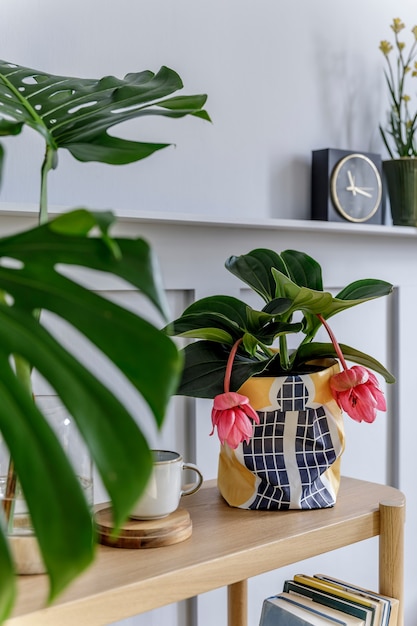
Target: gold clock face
{"points": [[356, 188]]}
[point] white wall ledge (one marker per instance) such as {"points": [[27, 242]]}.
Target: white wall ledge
{"points": [[185, 219]]}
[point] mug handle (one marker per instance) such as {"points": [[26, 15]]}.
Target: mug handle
{"points": [[195, 486]]}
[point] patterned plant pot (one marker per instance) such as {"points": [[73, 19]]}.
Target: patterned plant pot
{"points": [[293, 458]]}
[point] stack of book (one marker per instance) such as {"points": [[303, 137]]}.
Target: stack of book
{"points": [[320, 600]]}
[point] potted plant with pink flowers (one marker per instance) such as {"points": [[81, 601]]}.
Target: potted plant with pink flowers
{"points": [[278, 412]]}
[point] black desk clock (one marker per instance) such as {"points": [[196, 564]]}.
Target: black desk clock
{"points": [[347, 186]]}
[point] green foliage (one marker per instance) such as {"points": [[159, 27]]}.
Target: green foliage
{"points": [[289, 283], [398, 135], [7, 584], [76, 114], [144, 354]]}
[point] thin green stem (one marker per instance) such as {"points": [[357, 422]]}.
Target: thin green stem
{"points": [[47, 165], [400, 124], [23, 369], [11, 482], [283, 353]]}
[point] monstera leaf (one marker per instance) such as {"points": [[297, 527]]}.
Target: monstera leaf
{"points": [[144, 354], [76, 113]]}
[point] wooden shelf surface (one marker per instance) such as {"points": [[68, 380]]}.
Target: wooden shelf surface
{"points": [[227, 546]]}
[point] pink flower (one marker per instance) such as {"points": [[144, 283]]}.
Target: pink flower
{"points": [[356, 391], [231, 412]]}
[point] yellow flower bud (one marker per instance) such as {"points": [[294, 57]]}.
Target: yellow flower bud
{"points": [[401, 45], [406, 69], [406, 98], [397, 25], [385, 47], [414, 31]]}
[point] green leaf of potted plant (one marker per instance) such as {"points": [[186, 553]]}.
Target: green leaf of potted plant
{"points": [[289, 282]]}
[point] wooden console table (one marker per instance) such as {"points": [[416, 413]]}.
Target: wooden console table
{"points": [[227, 547]]}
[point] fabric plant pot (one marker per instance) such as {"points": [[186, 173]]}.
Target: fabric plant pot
{"points": [[293, 459], [401, 179]]}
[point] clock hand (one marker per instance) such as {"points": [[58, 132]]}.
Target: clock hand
{"points": [[351, 187], [363, 192], [351, 179]]}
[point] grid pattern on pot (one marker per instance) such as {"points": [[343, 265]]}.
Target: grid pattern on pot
{"points": [[293, 395], [292, 468]]}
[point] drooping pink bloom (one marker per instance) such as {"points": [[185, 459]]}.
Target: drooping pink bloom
{"points": [[357, 392], [232, 415]]}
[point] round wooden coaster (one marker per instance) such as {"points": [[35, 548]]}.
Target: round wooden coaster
{"points": [[143, 533]]}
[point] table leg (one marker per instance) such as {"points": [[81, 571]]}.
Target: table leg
{"points": [[237, 603], [391, 553]]}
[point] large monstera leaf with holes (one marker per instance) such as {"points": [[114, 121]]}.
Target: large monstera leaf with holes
{"points": [[31, 280], [76, 113]]}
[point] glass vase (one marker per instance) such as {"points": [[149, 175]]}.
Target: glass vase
{"points": [[14, 513]]}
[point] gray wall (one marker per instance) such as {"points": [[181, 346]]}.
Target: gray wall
{"points": [[283, 78]]}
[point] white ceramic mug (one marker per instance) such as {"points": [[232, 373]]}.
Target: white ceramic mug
{"points": [[165, 487]]}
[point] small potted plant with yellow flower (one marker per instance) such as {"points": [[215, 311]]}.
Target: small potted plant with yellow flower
{"points": [[278, 412], [399, 133]]}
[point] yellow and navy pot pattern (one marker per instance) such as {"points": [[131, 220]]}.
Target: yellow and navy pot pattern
{"points": [[293, 458]]}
